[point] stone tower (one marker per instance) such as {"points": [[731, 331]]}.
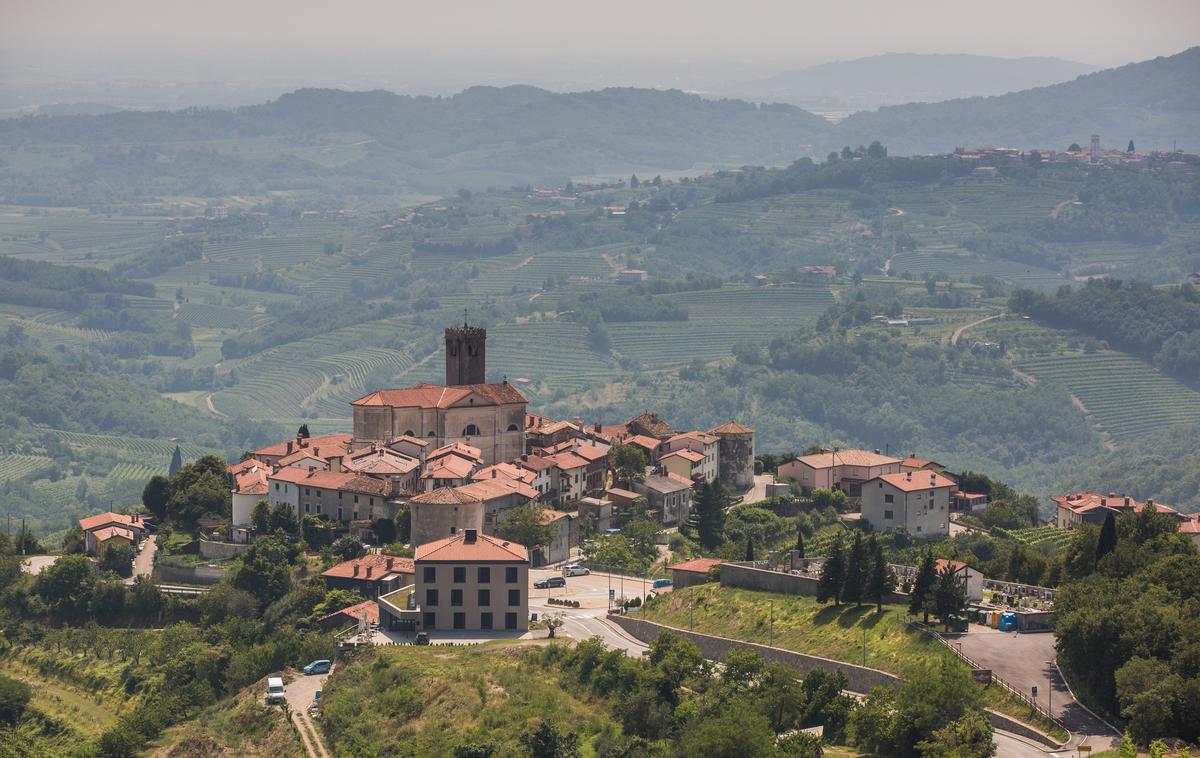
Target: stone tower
{"points": [[735, 455], [465, 355]]}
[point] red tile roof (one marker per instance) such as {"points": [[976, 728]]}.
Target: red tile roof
{"points": [[534, 463], [687, 455], [549, 517], [732, 427], [697, 565], [917, 481], [109, 532], [652, 423], [704, 437], [107, 518], [509, 471], [568, 460], [489, 489], [850, 457], [331, 480], [240, 467], [941, 563], [381, 461], [380, 565], [330, 441], [437, 396], [353, 612], [457, 448], [485, 548], [448, 467], [650, 443], [446, 496]]}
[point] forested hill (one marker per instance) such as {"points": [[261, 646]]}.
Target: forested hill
{"points": [[376, 141], [1155, 103]]}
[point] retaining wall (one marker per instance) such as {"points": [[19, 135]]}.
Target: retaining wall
{"points": [[859, 679], [221, 551], [754, 578], [196, 575]]}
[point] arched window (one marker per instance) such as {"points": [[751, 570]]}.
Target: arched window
{"points": [[409, 433], [471, 431], [512, 427]]}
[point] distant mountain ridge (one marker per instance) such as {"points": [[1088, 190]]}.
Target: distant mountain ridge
{"points": [[1155, 103], [897, 78]]}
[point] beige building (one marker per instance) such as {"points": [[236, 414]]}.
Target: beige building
{"points": [[838, 469], [917, 502], [702, 444], [472, 582]]}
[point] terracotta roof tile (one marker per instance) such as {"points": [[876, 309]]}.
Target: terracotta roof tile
{"points": [[108, 517], [369, 607], [697, 565], [485, 548], [846, 458], [437, 396], [732, 427], [109, 532], [687, 455], [704, 437], [919, 480], [280, 449], [380, 565]]}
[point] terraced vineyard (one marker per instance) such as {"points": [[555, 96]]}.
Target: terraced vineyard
{"points": [[15, 466], [965, 266], [1044, 538], [133, 446], [217, 316], [1126, 397]]}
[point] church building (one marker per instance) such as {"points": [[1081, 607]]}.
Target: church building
{"points": [[490, 417]]}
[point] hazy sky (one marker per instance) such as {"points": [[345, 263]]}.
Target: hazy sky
{"points": [[619, 40]]}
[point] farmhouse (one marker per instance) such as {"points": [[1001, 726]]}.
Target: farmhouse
{"points": [[692, 572], [338, 496], [838, 469], [702, 444], [103, 528], [669, 497], [370, 575], [470, 581], [1080, 508], [914, 502]]}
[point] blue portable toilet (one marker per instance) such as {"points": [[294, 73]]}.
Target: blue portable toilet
{"points": [[1008, 622]]}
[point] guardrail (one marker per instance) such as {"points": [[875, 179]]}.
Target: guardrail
{"points": [[1000, 680]]}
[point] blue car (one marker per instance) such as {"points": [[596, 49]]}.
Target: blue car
{"points": [[318, 667]]}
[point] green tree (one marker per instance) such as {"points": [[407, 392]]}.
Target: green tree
{"points": [[930, 700], [155, 495], [1130, 149], [628, 463], [1108, 537], [384, 530], [833, 574], [736, 731], [799, 540], [823, 498], [265, 570], [260, 517], [709, 510], [781, 696], [284, 519], [14, 697], [302, 433], [117, 557], [950, 595], [73, 541], [404, 524], [176, 462], [633, 182], [749, 549], [921, 597], [854, 581], [642, 535], [800, 744], [546, 740], [881, 580], [527, 525], [870, 725], [65, 586], [969, 736]]}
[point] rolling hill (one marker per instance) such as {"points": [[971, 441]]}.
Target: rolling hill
{"points": [[898, 78], [1155, 103]]}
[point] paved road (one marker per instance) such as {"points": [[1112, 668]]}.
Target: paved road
{"points": [[34, 564], [143, 562], [1026, 660]]}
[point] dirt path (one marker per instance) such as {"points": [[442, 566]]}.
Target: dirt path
{"points": [[1058, 208], [208, 403], [1105, 438], [523, 263], [301, 692], [326, 381], [959, 331]]}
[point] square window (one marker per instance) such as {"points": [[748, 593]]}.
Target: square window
{"points": [[485, 598], [887, 515], [460, 621], [514, 597], [510, 574], [889, 498], [431, 598], [429, 573], [460, 574], [430, 621], [918, 528], [484, 575], [485, 621], [456, 597], [510, 621]]}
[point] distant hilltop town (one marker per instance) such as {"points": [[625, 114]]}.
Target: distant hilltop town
{"points": [[463, 454]]}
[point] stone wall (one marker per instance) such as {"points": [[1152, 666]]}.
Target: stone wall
{"points": [[220, 551], [859, 679], [758, 577], [190, 575]]}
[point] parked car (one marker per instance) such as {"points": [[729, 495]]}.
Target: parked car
{"points": [[575, 571], [548, 582], [318, 667], [275, 690], [660, 583], [422, 638]]}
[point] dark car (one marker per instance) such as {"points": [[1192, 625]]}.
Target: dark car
{"points": [[548, 582], [318, 667], [422, 638]]}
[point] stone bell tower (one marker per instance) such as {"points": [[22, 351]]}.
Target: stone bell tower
{"points": [[465, 355]]}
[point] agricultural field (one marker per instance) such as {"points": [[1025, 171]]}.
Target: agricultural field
{"points": [[1048, 539], [1125, 397], [16, 466]]}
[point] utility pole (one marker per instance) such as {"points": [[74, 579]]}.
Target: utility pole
{"points": [[864, 646], [771, 627]]}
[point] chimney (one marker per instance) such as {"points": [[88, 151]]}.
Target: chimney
{"points": [[316, 451], [389, 563], [1150, 502], [876, 451], [1103, 501], [290, 447], [471, 536], [312, 470], [596, 427], [1127, 503], [1112, 494], [355, 568], [368, 572]]}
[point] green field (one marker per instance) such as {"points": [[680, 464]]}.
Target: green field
{"points": [[1125, 397]]}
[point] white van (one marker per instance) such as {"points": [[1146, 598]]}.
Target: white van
{"points": [[275, 690]]}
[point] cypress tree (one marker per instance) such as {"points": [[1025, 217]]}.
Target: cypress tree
{"points": [[881, 580], [1108, 537], [856, 572], [302, 432], [950, 595], [799, 543], [176, 462], [922, 588], [749, 549], [833, 574]]}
